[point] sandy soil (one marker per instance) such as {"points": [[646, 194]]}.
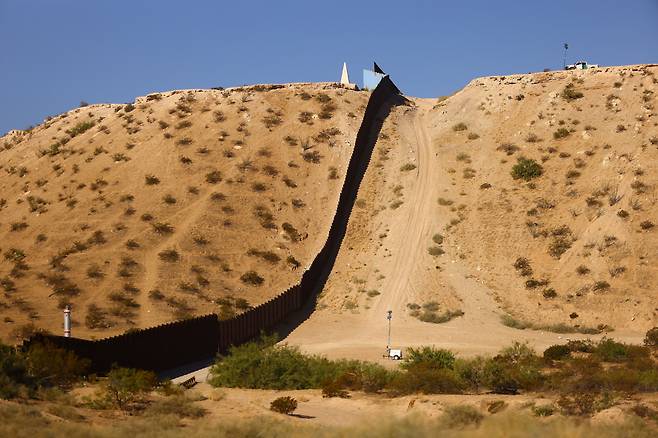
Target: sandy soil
{"points": [[385, 264], [53, 199]]}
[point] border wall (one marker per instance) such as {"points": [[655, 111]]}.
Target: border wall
{"points": [[191, 340]]}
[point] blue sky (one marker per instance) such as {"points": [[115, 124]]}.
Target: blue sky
{"points": [[55, 53]]}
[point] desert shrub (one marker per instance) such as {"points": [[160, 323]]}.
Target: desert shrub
{"points": [[601, 285], [291, 232], [49, 365], [522, 265], [271, 120], [162, 228], [183, 124], [252, 278], [569, 93], [609, 350], [284, 405], [561, 133], [13, 372], [543, 410], [515, 367], [532, 138], [435, 251], [327, 111], [126, 385], [458, 416], [312, 156], [179, 405], [526, 169], [407, 167], [214, 177], [96, 317], [332, 388], [557, 352], [439, 318], [508, 148], [426, 379], [559, 246], [549, 293], [461, 126], [265, 365], [80, 128], [646, 225], [651, 337], [583, 404], [151, 180], [169, 255], [169, 199], [428, 356]]}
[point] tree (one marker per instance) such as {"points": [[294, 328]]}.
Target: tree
{"points": [[125, 385]]}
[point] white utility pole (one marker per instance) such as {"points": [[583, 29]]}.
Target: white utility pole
{"points": [[389, 316]]}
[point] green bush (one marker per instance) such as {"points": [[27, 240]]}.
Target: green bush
{"points": [[543, 411], [472, 372], [561, 133], [49, 365], [651, 338], [430, 357], [178, 405], [609, 350], [13, 372], [426, 379], [570, 93], [265, 365], [526, 169], [284, 405], [126, 385], [461, 415], [557, 352]]}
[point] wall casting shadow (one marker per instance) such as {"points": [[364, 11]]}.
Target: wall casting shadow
{"points": [[182, 346]]}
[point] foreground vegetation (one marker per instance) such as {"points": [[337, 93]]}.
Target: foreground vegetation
{"points": [[24, 421], [586, 376], [580, 378]]}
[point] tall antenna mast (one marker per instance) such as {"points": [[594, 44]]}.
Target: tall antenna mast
{"points": [[389, 316], [564, 61]]}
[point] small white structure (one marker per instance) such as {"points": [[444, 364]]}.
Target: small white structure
{"points": [[67, 321], [581, 65], [394, 354], [345, 78]]}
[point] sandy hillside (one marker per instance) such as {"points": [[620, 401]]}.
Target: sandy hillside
{"points": [[185, 203], [442, 227]]}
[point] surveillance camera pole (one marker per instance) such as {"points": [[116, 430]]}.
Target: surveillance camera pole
{"points": [[389, 316], [564, 62]]}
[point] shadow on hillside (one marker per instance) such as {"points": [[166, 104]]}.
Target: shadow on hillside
{"points": [[317, 275]]}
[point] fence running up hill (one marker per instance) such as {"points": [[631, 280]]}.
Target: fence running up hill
{"points": [[192, 340]]}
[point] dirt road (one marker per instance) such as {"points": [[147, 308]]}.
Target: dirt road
{"points": [[363, 334]]}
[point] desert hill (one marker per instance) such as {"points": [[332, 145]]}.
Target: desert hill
{"points": [[446, 230], [520, 202], [181, 203]]}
